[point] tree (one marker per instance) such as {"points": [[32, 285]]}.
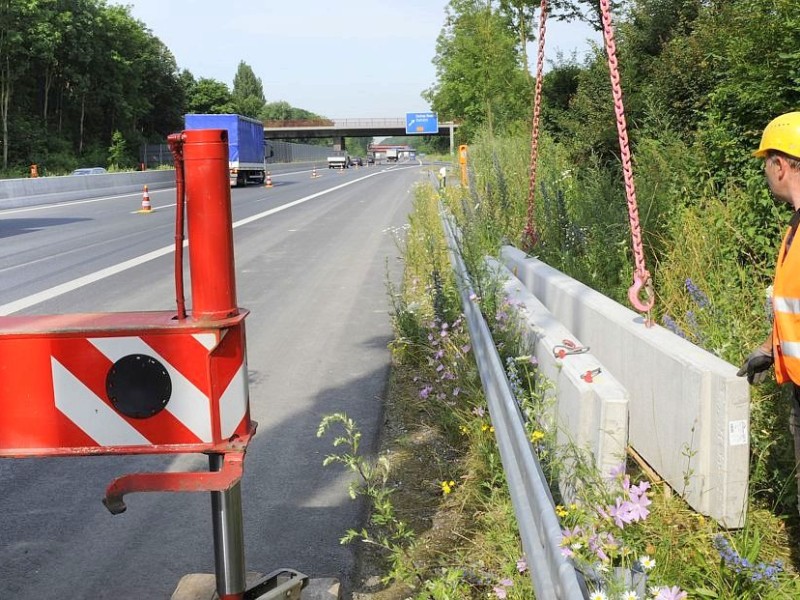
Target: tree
{"points": [[480, 78], [15, 19], [210, 96], [248, 93]]}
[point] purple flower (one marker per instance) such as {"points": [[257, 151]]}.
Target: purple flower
{"points": [[466, 348], [478, 411], [425, 392], [522, 564], [621, 512], [673, 593]]}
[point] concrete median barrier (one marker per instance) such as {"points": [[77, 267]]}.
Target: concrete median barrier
{"points": [[689, 413], [43, 190], [590, 412]]}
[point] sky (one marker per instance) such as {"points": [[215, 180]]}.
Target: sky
{"points": [[341, 60]]}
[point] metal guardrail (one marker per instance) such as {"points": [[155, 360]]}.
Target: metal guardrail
{"points": [[553, 576]]}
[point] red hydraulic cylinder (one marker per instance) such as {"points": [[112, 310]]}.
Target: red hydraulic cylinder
{"points": [[209, 223]]}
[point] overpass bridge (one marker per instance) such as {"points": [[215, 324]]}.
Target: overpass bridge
{"points": [[342, 128]]}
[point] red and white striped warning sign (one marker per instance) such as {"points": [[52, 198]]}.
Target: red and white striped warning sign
{"points": [[207, 401]]}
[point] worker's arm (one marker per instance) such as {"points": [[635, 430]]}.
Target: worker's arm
{"points": [[757, 364]]}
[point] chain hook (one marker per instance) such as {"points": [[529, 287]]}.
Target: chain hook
{"points": [[634, 294]]}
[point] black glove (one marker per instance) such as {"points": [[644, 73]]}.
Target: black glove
{"points": [[756, 366]]}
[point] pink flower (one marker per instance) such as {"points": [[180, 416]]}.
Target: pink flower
{"points": [[673, 593], [522, 564], [622, 512]]}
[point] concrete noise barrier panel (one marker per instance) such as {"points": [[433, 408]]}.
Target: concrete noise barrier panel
{"points": [[590, 412], [689, 413]]}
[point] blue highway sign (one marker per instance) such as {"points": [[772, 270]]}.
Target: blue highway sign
{"points": [[422, 123]]}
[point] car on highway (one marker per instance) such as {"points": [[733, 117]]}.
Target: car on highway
{"points": [[370, 159], [89, 171], [357, 161]]}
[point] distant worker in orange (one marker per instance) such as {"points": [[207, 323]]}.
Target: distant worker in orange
{"points": [[780, 149]]}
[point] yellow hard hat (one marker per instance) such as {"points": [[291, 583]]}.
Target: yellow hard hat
{"points": [[782, 134]]}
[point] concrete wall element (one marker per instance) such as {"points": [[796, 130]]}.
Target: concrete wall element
{"points": [[689, 413], [41, 190], [592, 416]]}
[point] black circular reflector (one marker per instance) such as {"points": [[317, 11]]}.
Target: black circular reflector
{"points": [[138, 386]]}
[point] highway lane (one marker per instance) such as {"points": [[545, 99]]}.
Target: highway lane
{"points": [[313, 275]]}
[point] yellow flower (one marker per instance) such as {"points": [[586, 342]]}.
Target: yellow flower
{"points": [[447, 486], [484, 427], [561, 511], [537, 435], [463, 429]]}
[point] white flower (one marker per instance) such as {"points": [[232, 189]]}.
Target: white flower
{"points": [[647, 562], [598, 595], [630, 595]]}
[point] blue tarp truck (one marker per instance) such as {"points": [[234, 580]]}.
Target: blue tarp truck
{"points": [[246, 144]]}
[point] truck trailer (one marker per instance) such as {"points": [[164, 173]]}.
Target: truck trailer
{"points": [[246, 145]]}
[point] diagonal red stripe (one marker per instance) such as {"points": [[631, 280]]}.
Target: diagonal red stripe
{"points": [[184, 353], [90, 366]]}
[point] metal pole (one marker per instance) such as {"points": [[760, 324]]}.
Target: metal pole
{"points": [[452, 143], [226, 517]]}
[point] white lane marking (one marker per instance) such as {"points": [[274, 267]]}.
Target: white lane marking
{"points": [[69, 286], [153, 209], [11, 211]]}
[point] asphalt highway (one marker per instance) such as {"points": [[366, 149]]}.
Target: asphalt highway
{"points": [[312, 257]]}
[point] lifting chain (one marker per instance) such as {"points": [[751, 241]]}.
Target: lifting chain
{"points": [[642, 282], [530, 236]]}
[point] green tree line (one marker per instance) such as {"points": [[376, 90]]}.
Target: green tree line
{"points": [[83, 83]]}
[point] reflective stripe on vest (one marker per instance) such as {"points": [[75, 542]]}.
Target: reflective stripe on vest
{"points": [[786, 306]]}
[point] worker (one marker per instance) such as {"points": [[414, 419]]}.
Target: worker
{"points": [[442, 179], [780, 149]]}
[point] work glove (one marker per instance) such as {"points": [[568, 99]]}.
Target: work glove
{"points": [[756, 366]]}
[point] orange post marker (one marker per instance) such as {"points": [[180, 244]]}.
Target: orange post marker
{"points": [[269, 180]]}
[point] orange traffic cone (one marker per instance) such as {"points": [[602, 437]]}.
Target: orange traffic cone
{"points": [[314, 173], [269, 180], [146, 206]]}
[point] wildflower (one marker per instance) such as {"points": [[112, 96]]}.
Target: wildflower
{"points": [[536, 436], [630, 595], [671, 593], [463, 429], [456, 391], [501, 589], [598, 595], [647, 562], [621, 513], [697, 294], [561, 511], [522, 564], [466, 348], [670, 324], [473, 296], [447, 486], [425, 392], [478, 411]]}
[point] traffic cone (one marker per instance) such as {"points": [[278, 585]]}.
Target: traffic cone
{"points": [[269, 180], [146, 206], [314, 173]]}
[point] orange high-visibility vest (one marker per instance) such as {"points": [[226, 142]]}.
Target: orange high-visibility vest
{"points": [[786, 312]]}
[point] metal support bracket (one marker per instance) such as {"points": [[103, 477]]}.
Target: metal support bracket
{"points": [[282, 583], [215, 481]]}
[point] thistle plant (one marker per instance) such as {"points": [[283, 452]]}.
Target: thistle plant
{"points": [[387, 531]]}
